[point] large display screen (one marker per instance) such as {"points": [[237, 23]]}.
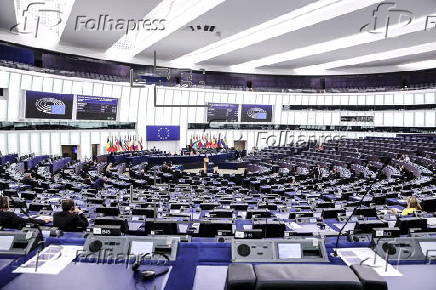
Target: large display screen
{"points": [[96, 108], [163, 133], [256, 113], [222, 112], [41, 105]]}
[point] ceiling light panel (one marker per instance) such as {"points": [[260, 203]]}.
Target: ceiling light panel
{"points": [[390, 54], [175, 13], [306, 16], [332, 45]]}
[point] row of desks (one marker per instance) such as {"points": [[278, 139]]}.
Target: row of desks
{"points": [[200, 264]]}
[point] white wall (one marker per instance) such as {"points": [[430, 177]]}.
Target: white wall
{"points": [[137, 105]]}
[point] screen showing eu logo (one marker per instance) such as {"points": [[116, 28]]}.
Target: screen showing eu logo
{"points": [[41, 105], [163, 133]]}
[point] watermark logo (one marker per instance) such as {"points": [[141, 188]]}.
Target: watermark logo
{"points": [[430, 22], [36, 16], [384, 16], [107, 23], [288, 138]]}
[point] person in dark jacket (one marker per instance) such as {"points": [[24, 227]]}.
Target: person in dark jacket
{"points": [[71, 218], [11, 220]]}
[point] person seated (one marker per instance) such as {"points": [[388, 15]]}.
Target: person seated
{"points": [[27, 179], [71, 218], [413, 205], [11, 220]]}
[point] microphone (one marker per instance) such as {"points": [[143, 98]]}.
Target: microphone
{"points": [[352, 214]]}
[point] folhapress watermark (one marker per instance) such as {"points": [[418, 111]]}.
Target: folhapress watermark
{"points": [[39, 16], [107, 23], [285, 138], [35, 17], [384, 16]]}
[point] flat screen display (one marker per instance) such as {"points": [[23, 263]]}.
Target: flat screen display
{"points": [[289, 251], [428, 248], [6, 242], [256, 113], [217, 112], [141, 248], [41, 105], [96, 108]]}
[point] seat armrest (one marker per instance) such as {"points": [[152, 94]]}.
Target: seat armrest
{"points": [[240, 277], [369, 278]]}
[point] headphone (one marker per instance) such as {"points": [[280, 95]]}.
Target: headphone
{"points": [[151, 274]]}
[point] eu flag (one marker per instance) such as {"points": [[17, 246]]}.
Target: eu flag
{"points": [[163, 133]]}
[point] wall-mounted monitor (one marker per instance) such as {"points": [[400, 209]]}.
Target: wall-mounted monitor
{"points": [[256, 113], [96, 108], [217, 112], [41, 105]]}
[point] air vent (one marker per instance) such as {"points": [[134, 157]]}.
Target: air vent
{"points": [[207, 28]]}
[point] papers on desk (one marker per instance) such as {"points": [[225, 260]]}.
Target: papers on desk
{"points": [[348, 227], [352, 256], [43, 217], [52, 260], [293, 226], [431, 221]]}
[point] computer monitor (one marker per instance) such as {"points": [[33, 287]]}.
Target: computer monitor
{"points": [[366, 227], [407, 223], [331, 213], [108, 211], [295, 214], [162, 227], [211, 228], [366, 211], [270, 228], [147, 212], [428, 204], [325, 204], [112, 221], [258, 213], [39, 206]]}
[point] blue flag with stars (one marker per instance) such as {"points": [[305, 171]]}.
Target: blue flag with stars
{"points": [[163, 133]]}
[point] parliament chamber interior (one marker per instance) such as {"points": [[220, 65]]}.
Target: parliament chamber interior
{"points": [[218, 145]]}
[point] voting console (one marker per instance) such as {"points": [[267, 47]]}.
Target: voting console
{"points": [[279, 250]]}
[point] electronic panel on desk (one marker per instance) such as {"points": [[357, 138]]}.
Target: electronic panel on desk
{"points": [[19, 242], [128, 247], [407, 248], [96, 108], [279, 250]]}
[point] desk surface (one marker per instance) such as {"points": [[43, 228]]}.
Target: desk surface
{"points": [[199, 265], [86, 276]]}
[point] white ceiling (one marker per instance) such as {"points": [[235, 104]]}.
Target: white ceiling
{"points": [[234, 16]]}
